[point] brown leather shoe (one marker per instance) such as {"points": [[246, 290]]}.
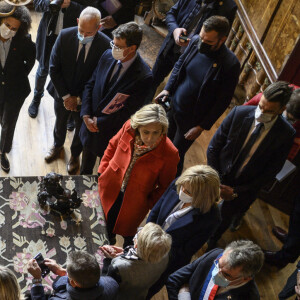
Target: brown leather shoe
{"points": [[280, 233], [53, 153], [73, 165]]}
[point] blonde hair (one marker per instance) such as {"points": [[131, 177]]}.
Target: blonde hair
{"points": [[153, 243], [151, 113], [203, 183], [9, 287]]}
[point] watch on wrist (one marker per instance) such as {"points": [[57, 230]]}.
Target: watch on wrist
{"points": [[235, 194], [36, 280]]}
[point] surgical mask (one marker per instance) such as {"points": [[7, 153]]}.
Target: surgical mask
{"points": [[6, 33], [218, 277], [262, 117], [185, 198], [84, 40], [118, 54]]}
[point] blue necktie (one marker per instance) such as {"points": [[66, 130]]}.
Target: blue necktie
{"points": [[78, 74], [114, 78]]}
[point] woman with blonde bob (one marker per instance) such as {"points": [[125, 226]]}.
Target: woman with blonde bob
{"points": [[188, 212], [137, 267], [9, 287], [138, 165]]}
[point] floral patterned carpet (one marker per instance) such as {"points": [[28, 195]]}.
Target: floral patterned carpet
{"points": [[26, 229]]}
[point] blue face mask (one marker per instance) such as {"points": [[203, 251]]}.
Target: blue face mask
{"points": [[218, 278], [84, 40]]}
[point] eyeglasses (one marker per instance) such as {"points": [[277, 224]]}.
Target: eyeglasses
{"points": [[113, 46], [225, 275]]}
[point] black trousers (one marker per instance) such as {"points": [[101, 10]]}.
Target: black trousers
{"points": [[177, 129], [9, 113], [87, 162], [60, 127]]}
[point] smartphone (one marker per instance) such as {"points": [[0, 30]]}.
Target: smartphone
{"points": [[183, 38], [165, 104], [40, 260]]}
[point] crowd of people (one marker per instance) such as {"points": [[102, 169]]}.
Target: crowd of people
{"points": [[102, 85]]}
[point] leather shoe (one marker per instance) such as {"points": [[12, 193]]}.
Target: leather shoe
{"points": [[73, 165], [33, 108], [53, 153], [70, 124], [280, 233], [5, 166], [271, 258], [236, 224]]}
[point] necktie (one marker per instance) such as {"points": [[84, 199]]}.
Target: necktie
{"points": [[245, 151], [115, 77], [77, 79]]}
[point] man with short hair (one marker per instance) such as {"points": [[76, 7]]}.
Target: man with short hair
{"points": [[81, 279], [249, 149], [74, 57], [120, 85], [201, 85], [219, 274]]}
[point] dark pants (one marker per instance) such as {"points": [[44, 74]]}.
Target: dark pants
{"points": [[40, 80], [289, 288], [177, 129], [291, 248], [9, 113], [87, 162], [60, 127], [232, 209]]}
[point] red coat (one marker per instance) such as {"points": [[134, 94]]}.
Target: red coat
{"points": [[149, 178]]}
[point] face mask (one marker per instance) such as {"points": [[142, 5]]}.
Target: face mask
{"points": [[6, 33], [204, 48], [84, 40], [262, 117], [218, 278], [118, 54], [184, 197]]}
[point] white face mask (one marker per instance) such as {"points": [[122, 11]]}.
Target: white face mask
{"points": [[6, 33], [185, 198], [118, 54], [262, 117]]}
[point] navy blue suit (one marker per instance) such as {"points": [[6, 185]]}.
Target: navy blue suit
{"points": [[189, 233], [212, 94], [177, 17], [195, 274], [265, 163], [135, 82], [15, 86], [44, 43], [62, 68]]}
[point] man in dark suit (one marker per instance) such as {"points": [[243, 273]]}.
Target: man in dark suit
{"points": [[17, 53], [201, 85], [120, 85], [248, 150], [73, 59], [186, 18], [49, 28], [219, 275]]}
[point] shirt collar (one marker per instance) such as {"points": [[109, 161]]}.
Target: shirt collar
{"points": [[127, 63]]}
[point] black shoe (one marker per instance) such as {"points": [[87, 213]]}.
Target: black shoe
{"points": [[33, 108], [236, 224], [71, 124], [271, 258], [5, 166]]}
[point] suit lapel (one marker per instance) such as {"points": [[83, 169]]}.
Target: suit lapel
{"points": [[74, 43], [12, 48], [184, 220]]}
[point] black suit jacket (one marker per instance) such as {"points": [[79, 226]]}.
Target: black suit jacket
{"points": [[135, 82], [14, 83], [43, 44], [195, 274], [267, 160], [63, 61]]}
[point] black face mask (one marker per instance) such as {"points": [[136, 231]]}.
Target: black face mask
{"points": [[204, 48]]}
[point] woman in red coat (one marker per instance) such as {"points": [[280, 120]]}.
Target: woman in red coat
{"points": [[138, 165]]}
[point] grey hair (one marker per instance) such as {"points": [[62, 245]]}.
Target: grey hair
{"points": [[245, 254], [153, 243], [203, 183], [151, 113], [91, 13]]}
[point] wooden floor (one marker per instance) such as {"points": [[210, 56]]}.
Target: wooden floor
{"points": [[34, 136]]}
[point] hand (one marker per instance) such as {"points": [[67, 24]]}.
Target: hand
{"points": [[297, 287], [111, 251], [34, 269], [108, 22], [177, 33], [163, 94], [70, 103], [95, 123], [193, 133], [226, 192], [66, 4], [90, 124], [54, 267]]}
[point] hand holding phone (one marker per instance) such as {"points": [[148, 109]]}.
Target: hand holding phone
{"points": [[40, 260]]}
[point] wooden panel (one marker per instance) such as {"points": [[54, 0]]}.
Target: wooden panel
{"points": [[283, 33]]}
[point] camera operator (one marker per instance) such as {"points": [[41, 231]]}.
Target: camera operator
{"points": [[57, 14]]}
